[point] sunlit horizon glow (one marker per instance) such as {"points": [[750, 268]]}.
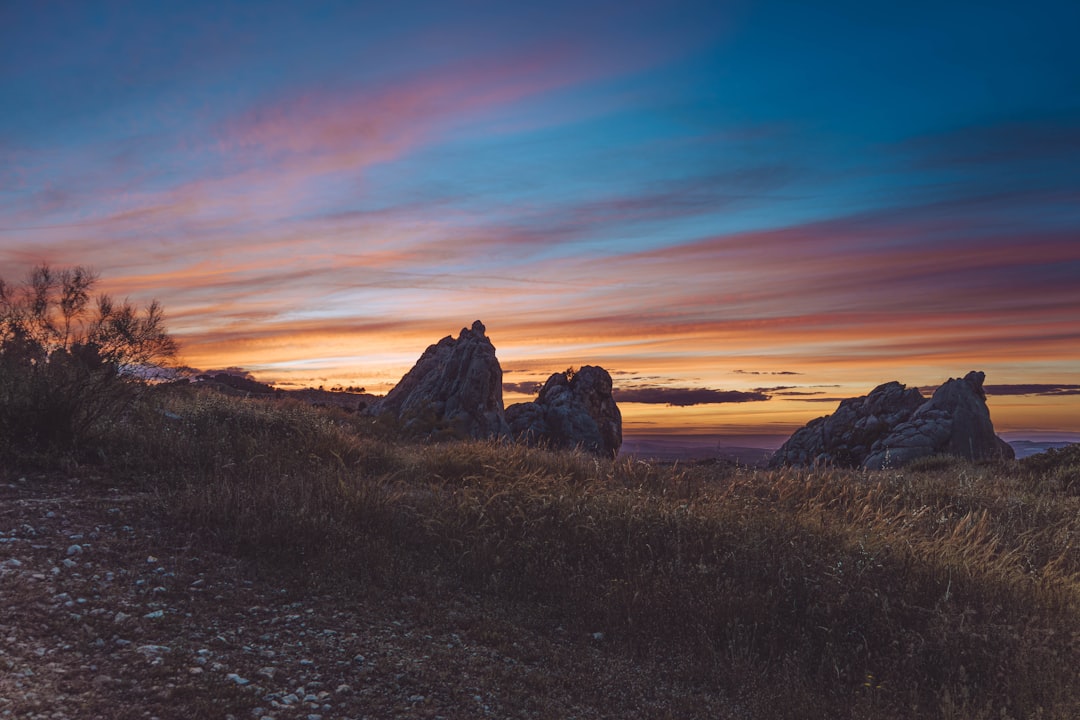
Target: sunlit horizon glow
{"points": [[735, 197]]}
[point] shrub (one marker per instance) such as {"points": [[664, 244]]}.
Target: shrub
{"points": [[69, 366], [1057, 467]]}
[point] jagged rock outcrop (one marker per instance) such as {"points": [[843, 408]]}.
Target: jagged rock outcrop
{"points": [[454, 390], [894, 425], [571, 412], [846, 437], [955, 421]]}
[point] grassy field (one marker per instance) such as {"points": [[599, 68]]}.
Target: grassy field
{"points": [[944, 590]]}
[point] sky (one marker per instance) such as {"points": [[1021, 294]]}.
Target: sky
{"points": [[745, 211]]}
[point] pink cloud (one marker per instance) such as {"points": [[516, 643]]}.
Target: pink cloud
{"points": [[265, 163], [348, 129]]}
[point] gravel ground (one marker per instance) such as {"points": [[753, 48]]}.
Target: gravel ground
{"points": [[103, 615]]}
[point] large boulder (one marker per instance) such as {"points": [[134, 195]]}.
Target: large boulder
{"points": [[845, 438], [453, 391], [894, 425], [955, 421], [577, 411]]}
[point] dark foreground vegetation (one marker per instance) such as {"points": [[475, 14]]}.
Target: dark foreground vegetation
{"points": [[943, 590]]}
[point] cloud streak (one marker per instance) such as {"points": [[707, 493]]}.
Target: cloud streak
{"points": [[684, 397], [1032, 389], [524, 388], [765, 372]]}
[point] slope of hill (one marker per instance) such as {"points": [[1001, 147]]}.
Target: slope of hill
{"points": [[241, 557], [107, 616]]}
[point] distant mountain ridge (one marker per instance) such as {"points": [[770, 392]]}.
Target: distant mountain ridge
{"points": [[1027, 448], [669, 447]]}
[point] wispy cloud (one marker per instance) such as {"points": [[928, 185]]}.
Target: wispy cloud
{"points": [[1032, 389], [683, 397], [349, 129], [524, 388], [298, 155], [1006, 141], [765, 372], [830, 400]]}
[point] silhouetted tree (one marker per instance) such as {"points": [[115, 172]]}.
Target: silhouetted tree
{"points": [[53, 312], [68, 361]]}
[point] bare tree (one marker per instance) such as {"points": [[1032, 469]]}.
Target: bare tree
{"points": [[67, 360], [53, 311]]}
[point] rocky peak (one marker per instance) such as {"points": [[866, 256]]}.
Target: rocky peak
{"points": [[477, 330], [846, 437], [577, 411], [894, 425], [975, 379], [454, 390], [954, 421]]}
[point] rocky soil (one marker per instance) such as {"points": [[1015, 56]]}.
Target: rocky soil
{"points": [[106, 614]]}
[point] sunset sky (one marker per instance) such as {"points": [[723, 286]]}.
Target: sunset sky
{"points": [[745, 211]]}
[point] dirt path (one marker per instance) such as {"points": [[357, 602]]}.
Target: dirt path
{"points": [[103, 616]]}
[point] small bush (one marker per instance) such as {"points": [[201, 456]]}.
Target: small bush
{"points": [[1057, 467], [67, 368]]}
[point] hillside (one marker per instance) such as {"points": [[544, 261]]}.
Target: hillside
{"points": [[277, 560], [137, 622]]}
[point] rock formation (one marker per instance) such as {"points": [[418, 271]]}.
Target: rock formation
{"points": [[846, 437], [955, 421], [571, 412], [894, 425], [454, 390]]}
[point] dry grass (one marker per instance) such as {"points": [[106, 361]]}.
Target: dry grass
{"points": [[947, 590]]}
